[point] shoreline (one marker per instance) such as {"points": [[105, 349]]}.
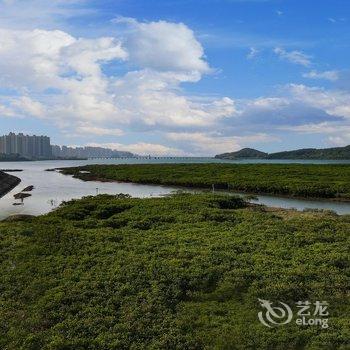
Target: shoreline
{"points": [[7, 183], [87, 177], [269, 201], [249, 206]]}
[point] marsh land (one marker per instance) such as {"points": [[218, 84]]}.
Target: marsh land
{"points": [[296, 180], [180, 272]]}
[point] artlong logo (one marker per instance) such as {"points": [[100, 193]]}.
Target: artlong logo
{"points": [[280, 315], [274, 315]]}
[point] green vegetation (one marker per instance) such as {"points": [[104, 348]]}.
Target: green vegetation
{"points": [[312, 153], [305, 153], [181, 272], [318, 181]]}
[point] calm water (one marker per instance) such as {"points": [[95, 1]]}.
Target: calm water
{"points": [[51, 188]]}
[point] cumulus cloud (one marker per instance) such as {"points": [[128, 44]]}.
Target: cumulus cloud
{"points": [[60, 72], [38, 60], [267, 114], [298, 109], [211, 143], [336, 134], [309, 110], [57, 76], [151, 99], [164, 46], [29, 107], [296, 57], [334, 102], [65, 75]]}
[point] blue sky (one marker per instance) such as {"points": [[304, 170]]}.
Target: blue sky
{"points": [[177, 77]]}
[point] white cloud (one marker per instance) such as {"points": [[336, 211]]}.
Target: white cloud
{"points": [[59, 72], [337, 134], [27, 106], [320, 128], [24, 14], [88, 129], [60, 77], [164, 46], [252, 53], [331, 130], [39, 59], [21, 107], [151, 98], [296, 57], [54, 75], [336, 103], [336, 20], [331, 75], [201, 143], [85, 56]]}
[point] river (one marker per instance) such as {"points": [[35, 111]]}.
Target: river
{"points": [[51, 188]]}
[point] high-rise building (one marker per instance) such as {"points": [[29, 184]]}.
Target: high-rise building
{"points": [[87, 152], [25, 145]]}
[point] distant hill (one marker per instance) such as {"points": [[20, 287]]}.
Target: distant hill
{"points": [[305, 153], [314, 153], [243, 154]]}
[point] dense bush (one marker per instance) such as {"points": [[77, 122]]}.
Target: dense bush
{"points": [[182, 272]]}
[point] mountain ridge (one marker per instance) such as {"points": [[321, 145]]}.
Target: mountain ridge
{"points": [[336, 153]]}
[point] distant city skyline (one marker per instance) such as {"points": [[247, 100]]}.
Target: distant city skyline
{"points": [[196, 77], [39, 147], [87, 152], [31, 146]]}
